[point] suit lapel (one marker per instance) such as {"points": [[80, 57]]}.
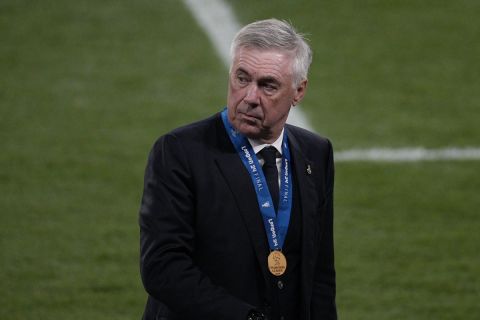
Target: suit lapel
{"points": [[303, 169], [240, 184]]}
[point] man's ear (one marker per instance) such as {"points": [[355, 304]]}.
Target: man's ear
{"points": [[300, 91]]}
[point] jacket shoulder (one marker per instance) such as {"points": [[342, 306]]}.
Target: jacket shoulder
{"points": [[201, 136]]}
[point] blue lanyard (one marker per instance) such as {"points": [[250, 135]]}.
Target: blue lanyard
{"points": [[276, 225]]}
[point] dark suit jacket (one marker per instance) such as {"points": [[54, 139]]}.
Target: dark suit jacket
{"points": [[203, 243]]}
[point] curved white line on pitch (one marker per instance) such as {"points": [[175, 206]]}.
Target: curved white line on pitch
{"points": [[408, 154], [220, 24], [218, 21]]}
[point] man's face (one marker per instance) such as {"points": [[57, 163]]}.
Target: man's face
{"points": [[261, 92]]}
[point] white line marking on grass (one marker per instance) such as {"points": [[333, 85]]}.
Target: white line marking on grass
{"points": [[219, 22], [408, 154]]}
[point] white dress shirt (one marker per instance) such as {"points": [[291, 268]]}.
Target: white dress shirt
{"points": [[277, 144]]}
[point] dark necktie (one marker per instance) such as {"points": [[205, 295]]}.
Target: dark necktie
{"points": [[269, 155]]}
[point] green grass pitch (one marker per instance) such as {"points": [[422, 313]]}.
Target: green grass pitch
{"points": [[87, 86]]}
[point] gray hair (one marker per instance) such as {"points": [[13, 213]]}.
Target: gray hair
{"points": [[280, 35]]}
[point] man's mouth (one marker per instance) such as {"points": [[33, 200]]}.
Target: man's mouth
{"points": [[250, 118]]}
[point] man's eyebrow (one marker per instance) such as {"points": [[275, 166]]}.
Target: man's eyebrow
{"points": [[241, 70], [262, 80], [268, 79]]}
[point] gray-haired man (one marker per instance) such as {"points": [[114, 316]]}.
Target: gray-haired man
{"points": [[237, 211]]}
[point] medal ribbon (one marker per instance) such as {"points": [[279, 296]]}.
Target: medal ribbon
{"points": [[276, 225]]}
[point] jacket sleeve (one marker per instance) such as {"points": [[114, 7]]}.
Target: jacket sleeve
{"points": [[167, 240], [324, 287]]}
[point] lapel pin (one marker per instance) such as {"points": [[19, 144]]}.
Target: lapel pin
{"points": [[309, 169]]}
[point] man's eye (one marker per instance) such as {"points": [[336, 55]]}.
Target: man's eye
{"points": [[242, 79], [270, 88]]}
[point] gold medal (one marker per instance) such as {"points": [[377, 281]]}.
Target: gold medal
{"points": [[277, 263]]}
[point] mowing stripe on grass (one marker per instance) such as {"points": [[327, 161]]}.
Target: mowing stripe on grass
{"points": [[220, 24]]}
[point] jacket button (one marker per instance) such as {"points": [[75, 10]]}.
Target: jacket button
{"points": [[280, 284]]}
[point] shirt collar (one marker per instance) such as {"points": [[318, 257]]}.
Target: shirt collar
{"points": [[258, 146]]}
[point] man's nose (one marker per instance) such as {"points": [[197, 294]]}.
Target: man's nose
{"points": [[252, 97]]}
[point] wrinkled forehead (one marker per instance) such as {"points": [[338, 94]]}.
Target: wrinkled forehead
{"points": [[265, 62], [242, 50]]}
